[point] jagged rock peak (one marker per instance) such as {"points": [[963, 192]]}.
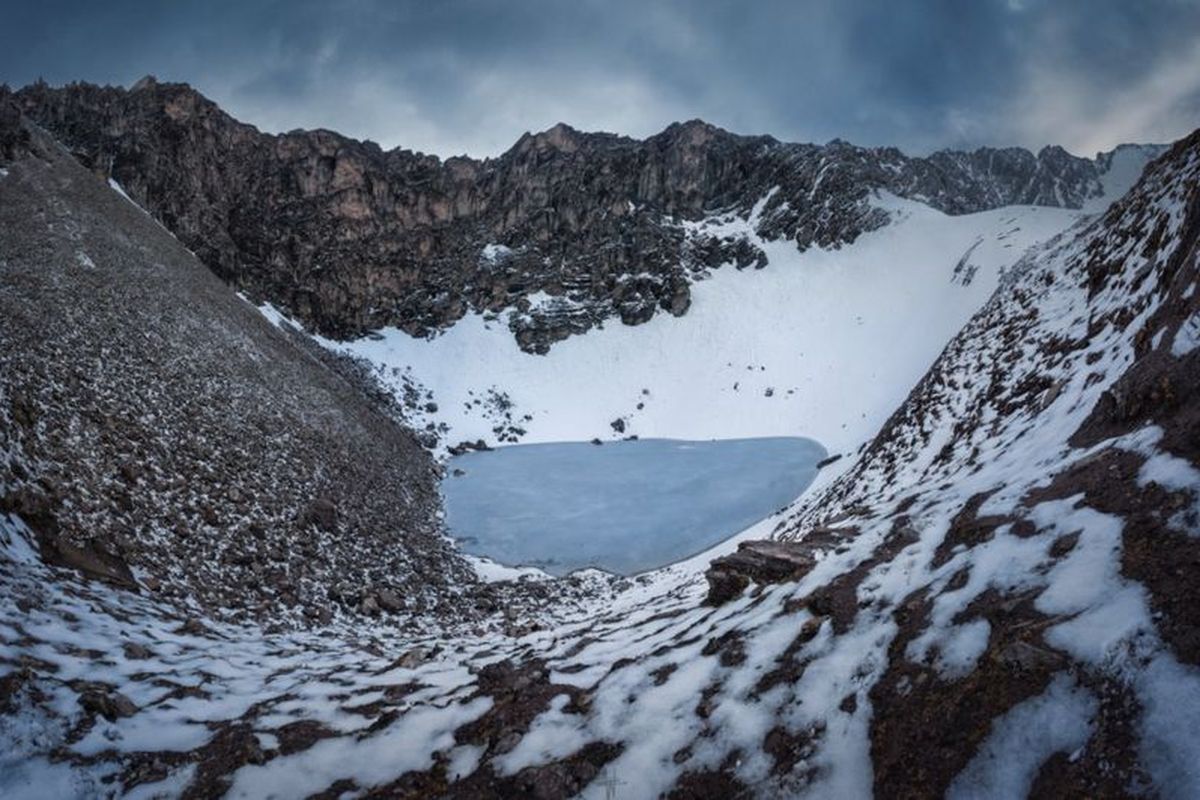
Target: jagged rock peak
{"points": [[694, 131], [561, 135], [146, 82], [14, 138]]}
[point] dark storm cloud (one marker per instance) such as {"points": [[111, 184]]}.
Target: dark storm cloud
{"points": [[471, 76]]}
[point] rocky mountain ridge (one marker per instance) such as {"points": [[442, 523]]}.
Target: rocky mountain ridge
{"points": [[563, 231]]}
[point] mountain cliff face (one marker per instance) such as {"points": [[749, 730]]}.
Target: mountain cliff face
{"points": [[348, 237]]}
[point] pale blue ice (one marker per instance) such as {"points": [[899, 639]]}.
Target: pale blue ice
{"points": [[625, 506]]}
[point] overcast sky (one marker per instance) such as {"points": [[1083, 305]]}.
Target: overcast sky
{"points": [[471, 76]]}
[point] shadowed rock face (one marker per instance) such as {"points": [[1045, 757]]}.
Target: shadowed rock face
{"points": [[349, 237]]}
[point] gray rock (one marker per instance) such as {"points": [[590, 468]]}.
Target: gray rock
{"points": [[389, 600], [110, 704], [136, 652], [322, 512], [413, 658]]}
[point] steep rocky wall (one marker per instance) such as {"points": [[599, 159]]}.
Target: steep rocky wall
{"points": [[348, 237]]}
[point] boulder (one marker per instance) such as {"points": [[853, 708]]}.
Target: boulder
{"points": [[389, 600], [136, 652], [193, 627], [94, 560], [34, 506], [322, 512], [112, 705], [758, 561], [413, 658]]}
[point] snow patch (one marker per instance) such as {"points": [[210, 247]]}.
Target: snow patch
{"points": [[116, 187], [1177, 475], [277, 317], [1187, 338], [407, 744], [1056, 721], [490, 571], [495, 253]]}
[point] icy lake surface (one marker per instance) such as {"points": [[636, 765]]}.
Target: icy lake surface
{"points": [[625, 506]]}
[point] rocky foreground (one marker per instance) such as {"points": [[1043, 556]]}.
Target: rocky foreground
{"points": [[998, 598]]}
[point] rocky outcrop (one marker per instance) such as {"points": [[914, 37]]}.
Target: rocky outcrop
{"points": [[562, 231], [761, 562]]}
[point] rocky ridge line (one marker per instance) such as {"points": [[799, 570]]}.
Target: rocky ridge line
{"points": [[562, 232]]}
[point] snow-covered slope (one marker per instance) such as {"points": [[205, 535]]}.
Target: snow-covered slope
{"points": [[1017, 550], [824, 343], [1002, 599]]}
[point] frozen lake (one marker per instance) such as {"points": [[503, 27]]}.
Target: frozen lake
{"points": [[625, 506]]}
